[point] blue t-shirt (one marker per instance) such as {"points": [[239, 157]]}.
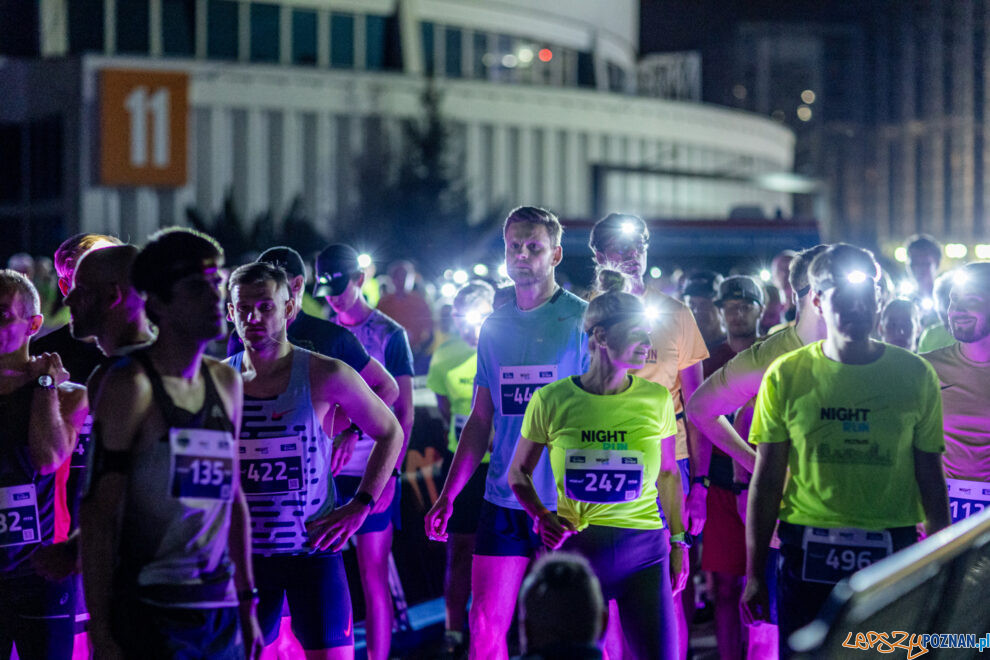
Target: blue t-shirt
{"points": [[519, 352]]}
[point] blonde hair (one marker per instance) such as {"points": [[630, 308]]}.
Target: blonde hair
{"points": [[611, 299]]}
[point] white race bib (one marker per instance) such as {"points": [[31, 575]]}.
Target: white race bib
{"points": [[202, 465], [603, 476], [19, 516], [517, 385], [967, 498], [833, 554], [271, 465]]}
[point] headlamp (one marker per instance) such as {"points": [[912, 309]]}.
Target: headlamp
{"points": [[473, 317], [960, 277], [856, 277], [627, 228]]}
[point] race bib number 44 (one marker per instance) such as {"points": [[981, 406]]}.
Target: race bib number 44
{"points": [[18, 515], [967, 498], [271, 465], [602, 476], [517, 385], [202, 464], [833, 554]]}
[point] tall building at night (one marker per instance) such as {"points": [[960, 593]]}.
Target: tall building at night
{"points": [[120, 114], [893, 124]]}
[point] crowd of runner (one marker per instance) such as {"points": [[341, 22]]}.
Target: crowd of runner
{"points": [[185, 460]]}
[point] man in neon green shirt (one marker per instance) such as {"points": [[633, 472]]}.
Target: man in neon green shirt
{"points": [[857, 425], [451, 377]]}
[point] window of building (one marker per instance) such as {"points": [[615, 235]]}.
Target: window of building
{"points": [[616, 77], [132, 27], [10, 164], [428, 48], [85, 26], [374, 30], [479, 68], [303, 36], [453, 52], [585, 69], [264, 32], [22, 42], [342, 41], [45, 138], [179, 27], [222, 29]]}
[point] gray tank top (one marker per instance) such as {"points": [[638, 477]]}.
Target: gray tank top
{"points": [[285, 463], [180, 494]]}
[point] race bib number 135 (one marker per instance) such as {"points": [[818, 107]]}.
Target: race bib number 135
{"points": [[202, 464]]}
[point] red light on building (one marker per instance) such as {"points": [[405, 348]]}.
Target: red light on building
{"points": [[545, 55]]}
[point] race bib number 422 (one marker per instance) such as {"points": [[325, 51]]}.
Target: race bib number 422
{"points": [[202, 464], [271, 465], [18, 515], [518, 384]]}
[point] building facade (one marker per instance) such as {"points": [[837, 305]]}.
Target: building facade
{"points": [[121, 114]]}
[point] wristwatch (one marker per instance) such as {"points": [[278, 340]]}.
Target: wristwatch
{"points": [[46, 382], [704, 481], [364, 498]]}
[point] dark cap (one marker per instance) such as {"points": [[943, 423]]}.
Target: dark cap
{"points": [[334, 267], [285, 258], [702, 283], [739, 287]]}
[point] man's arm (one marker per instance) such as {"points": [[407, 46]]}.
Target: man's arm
{"points": [[380, 381], [930, 476], [471, 448], [123, 403], [57, 414], [707, 408], [765, 492], [339, 384]]}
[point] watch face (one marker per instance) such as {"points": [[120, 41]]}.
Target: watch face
{"points": [[47, 381]]}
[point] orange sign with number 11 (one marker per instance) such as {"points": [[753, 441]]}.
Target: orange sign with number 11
{"points": [[143, 128]]}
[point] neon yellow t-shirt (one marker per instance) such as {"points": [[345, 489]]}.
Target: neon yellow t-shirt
{"points": [[739, 379], [451, 375], [604, 450], [676, 345], [935, 337], [965, 388], [853, 430]]}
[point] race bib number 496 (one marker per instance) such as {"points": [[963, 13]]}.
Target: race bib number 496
{"points": [[518, 384], [202, 464], [832, 554], [18, 515], [271, 465]]}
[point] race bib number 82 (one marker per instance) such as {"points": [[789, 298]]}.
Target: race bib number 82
{"points": [[18, 515]]}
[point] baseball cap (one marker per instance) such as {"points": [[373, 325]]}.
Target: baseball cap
{"points": [[739, 287], [703, 283], [286, 258], [334, 267]]}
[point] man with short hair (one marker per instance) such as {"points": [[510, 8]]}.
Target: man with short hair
{"points": [[699, 292], [79, 356], [319, 335], [899, 323], [290, 395], [166, 546], [561, 612], [780, 272], [854, 427], [963, 370], [723, 554], [939, 335], [42, 413], [523, 346], [340, 278], [408, 306], [105, 307]]}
